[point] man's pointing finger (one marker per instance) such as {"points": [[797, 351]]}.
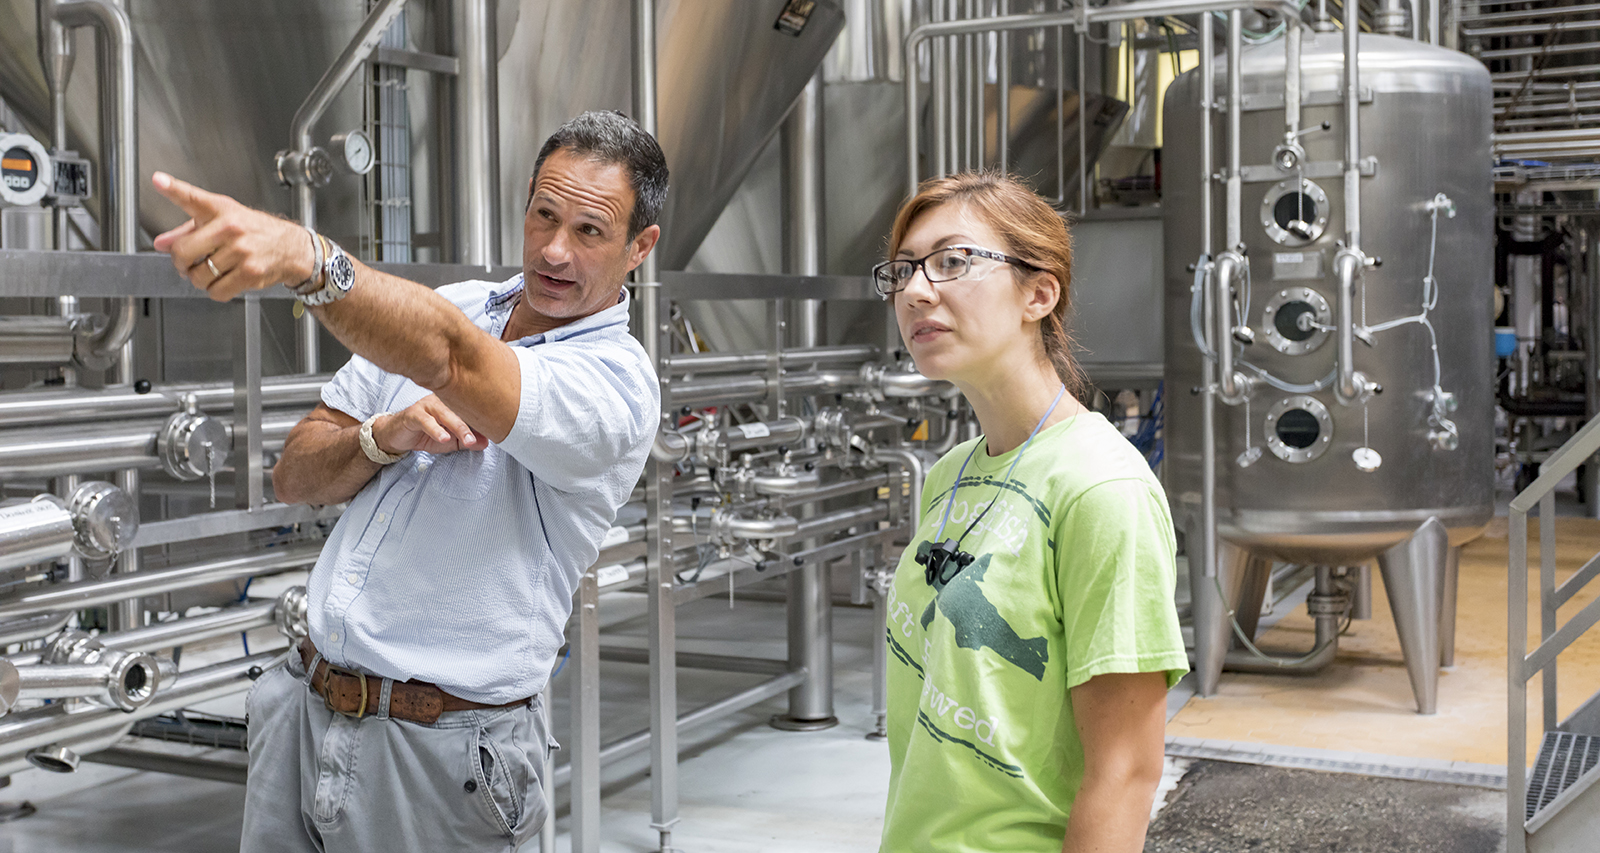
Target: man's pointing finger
{"points": [[196, 202]]}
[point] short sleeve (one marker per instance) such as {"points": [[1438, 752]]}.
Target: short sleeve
{"points": [[1116, 570], [356, 390], [584, 410]]}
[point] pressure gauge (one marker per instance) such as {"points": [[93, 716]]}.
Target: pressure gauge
{"points": [[25, 170], [354, 150]]}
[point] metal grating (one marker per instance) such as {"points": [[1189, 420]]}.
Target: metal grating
{"points": [[1563, 759], [193, 728]]}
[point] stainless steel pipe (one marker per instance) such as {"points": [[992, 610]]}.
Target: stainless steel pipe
{"points": [[799, 357], [477, 133], [95, 448], [86, 728], [76, 596], [75, 405]]}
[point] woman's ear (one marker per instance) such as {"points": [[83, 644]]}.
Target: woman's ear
{"points": [[1044, 291]]}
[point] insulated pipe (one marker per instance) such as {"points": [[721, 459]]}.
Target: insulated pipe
{"points": [[31, 408], [109, 447], [477, 138], [76, 596], [86, 728]]}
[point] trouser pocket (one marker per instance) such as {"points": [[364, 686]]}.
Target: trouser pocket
{"points": [[507, 779]]}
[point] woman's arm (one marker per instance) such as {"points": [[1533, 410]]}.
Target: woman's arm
{"points": [[1122, 721]]}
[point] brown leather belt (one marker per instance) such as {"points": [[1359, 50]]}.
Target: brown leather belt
{"points": [[356, 695]]}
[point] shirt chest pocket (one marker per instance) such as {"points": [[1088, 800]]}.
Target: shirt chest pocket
{"points": [[466, 475]]}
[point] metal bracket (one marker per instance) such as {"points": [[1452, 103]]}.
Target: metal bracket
{"points": [[1259, 101], [1322, 169]]}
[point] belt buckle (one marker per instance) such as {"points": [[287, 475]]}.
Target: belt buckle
{"points": [[327, 690]]}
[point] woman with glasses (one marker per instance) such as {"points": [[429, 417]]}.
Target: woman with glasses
{"points": [[1032, 629]]}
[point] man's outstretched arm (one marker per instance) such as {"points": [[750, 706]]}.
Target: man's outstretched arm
{"points": [[402, 327]]}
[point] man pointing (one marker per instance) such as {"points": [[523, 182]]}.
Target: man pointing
{"points": [[485, 435]]}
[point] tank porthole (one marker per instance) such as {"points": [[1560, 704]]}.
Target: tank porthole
{"points": [[1296, 320], [1299, 429], [1295, 212]]}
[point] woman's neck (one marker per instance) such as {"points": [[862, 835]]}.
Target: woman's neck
{"points": [[1009, 403]]}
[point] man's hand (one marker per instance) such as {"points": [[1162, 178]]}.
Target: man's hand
{"points": [[226, 248], [427, 425]]}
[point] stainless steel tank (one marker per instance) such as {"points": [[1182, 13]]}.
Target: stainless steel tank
{"points": [[1289, 485]]}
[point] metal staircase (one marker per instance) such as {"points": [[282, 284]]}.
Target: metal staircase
{"points": [[1554, 807]]}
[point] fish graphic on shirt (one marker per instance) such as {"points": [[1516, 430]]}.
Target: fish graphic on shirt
{"points": [[978, 623]]}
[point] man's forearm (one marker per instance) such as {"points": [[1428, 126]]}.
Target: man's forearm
{"points": [[322, 463], [407, 329]]}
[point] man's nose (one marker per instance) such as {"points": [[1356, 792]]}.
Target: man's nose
{"points": [[559, 249]]}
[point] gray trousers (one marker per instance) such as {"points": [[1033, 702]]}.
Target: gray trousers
{"points": [[323, 782]]}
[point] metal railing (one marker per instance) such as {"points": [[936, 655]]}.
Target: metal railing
{"points": [[1522, 665]]}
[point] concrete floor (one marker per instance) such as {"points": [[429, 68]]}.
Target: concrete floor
{"points": [[746, 786]]}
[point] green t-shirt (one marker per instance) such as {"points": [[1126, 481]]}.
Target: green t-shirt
{"points": [[1073, 578]]}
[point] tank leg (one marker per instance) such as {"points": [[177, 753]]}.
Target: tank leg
{"points": [[1252, 597], [1413, 574], [1447, 606], [1213, 633]]}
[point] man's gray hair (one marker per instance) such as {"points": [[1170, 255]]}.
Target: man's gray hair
{"points": [[611, 137]]}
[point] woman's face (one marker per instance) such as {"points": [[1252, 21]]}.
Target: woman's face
{"points": [[963, 330]]}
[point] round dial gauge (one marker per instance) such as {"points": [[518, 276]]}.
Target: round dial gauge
{"points": [[355, 151]]}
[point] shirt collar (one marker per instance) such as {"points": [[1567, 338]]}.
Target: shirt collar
{"points": [[503, 297]]}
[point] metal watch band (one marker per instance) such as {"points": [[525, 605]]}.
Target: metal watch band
{"points": [[369, 445], [314, 281]]}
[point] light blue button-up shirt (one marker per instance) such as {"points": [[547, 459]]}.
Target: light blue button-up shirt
{"points": [[458, 569]]}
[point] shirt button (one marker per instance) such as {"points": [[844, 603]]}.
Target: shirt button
{"points": [[334, 637], [353, 577], [381, 518], [423, 467]]}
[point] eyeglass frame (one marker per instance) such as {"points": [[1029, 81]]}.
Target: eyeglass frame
{"points": [[921, 263]]}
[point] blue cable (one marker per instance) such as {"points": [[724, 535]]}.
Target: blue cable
{"points": [[563, 663]]}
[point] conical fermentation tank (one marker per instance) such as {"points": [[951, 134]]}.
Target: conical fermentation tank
{"points": [[1289, 484]]}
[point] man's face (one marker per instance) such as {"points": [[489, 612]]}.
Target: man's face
{"points": [[576, 252]]}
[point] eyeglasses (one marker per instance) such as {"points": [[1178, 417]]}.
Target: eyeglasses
{"points": [[951, 263]]}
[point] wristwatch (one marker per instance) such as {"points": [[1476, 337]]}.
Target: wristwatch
{"points": [[338, 275], [369, 445]]}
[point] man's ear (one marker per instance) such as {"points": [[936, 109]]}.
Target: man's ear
{"points": [[641, 245], [1044, 291]]}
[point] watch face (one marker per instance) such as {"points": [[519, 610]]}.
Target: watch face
{"points": [[341, 273]]}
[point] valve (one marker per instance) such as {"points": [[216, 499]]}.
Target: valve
{"points": [[192, 445]]}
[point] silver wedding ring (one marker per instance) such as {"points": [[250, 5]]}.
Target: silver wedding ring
{"points": [[215, 273]]}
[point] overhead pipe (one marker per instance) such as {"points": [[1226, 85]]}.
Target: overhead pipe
{"points": [[1078, 17]]}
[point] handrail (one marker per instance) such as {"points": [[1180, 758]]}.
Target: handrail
{"points": [[1522, 665]]}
